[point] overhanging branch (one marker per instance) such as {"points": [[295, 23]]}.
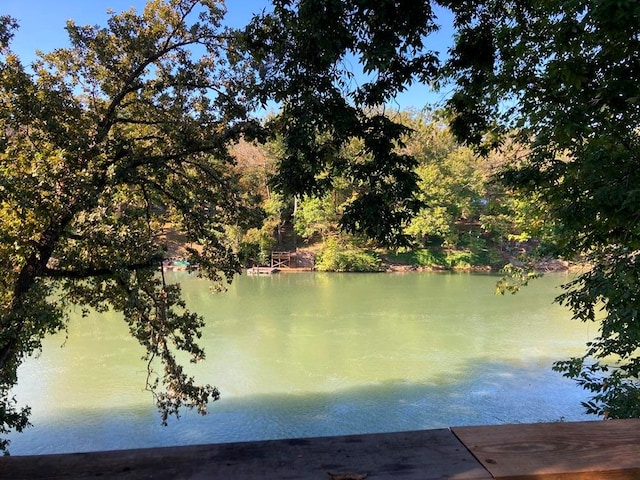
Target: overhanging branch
{"points": [[100, 272]]}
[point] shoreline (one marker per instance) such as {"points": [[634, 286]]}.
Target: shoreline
{"points": [[306, 261]]}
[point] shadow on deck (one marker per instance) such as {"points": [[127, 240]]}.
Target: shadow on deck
{"points": [[578, 450]]}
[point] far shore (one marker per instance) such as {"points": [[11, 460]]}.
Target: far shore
{"points": [[304, 262]]}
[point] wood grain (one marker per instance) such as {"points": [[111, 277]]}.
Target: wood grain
{"points": [[569, 451], [424, 455]]}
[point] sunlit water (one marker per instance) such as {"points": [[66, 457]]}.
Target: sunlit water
{"points": [[310, 354]]}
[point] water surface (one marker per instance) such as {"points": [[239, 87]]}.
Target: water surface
{"points": [[314, 354]]}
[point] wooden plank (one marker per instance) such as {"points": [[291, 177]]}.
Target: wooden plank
{"points": [[568, 451], [424, 455]]}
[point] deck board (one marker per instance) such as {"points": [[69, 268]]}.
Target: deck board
{"points": [[424, 455], [569, 451], [548, 451]]}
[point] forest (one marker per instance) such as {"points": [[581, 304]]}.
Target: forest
{"points": [[467, 219]]}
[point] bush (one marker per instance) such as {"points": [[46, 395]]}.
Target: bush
{"points": [[335, 257], [426, 258], [461, 260]]}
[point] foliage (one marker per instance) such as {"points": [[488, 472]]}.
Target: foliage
{"points": [[256, 245], [336, 256], [275, 207], [459, 192], [451, 189], [315, 216], [466, 212], [105, 144], [515, 277], [302, 50], [611, 288], [430, 258], [256, 236], [563, 79], [421, 257], [440, 187]]}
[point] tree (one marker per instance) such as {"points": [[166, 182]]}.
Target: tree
{"points": [[106, 146], [254, 239], [559, 77], [303, 51], [564, 76], [451, 184], [316, 216]]}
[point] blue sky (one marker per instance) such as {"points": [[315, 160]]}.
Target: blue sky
{"points": [[42, 28]]}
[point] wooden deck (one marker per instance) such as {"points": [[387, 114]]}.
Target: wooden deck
{"points": [[584, 450], [605, 450]]}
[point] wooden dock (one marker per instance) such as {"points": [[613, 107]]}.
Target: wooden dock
{"points": [[602, 450], [261, 271]]}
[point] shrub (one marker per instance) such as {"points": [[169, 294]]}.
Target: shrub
{"points": [[335, 257]]}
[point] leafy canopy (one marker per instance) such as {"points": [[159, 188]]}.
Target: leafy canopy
{"points": [[305, 52], [564, 75], [108, 146], [114, 143]]}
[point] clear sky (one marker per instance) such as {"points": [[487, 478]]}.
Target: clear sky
{"points": [[42, 25]]}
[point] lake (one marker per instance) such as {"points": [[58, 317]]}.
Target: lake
{"points": [[313, 354]]}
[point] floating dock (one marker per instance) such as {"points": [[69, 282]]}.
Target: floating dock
{"points": [[261, 271]]}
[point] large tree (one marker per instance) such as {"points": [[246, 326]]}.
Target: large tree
{"points": [[112, 143], [308, 54], [108, 146], [561, 78], [565, 77]]}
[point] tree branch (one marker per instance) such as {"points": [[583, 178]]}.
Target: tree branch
{"points": [[99, 272]]}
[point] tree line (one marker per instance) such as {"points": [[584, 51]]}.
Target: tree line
{"points": [[466, 219]]}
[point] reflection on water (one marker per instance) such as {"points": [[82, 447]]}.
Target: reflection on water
{"points": [[317, 354]]}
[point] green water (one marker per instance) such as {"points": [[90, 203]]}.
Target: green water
{"points": [[313, 354]]}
